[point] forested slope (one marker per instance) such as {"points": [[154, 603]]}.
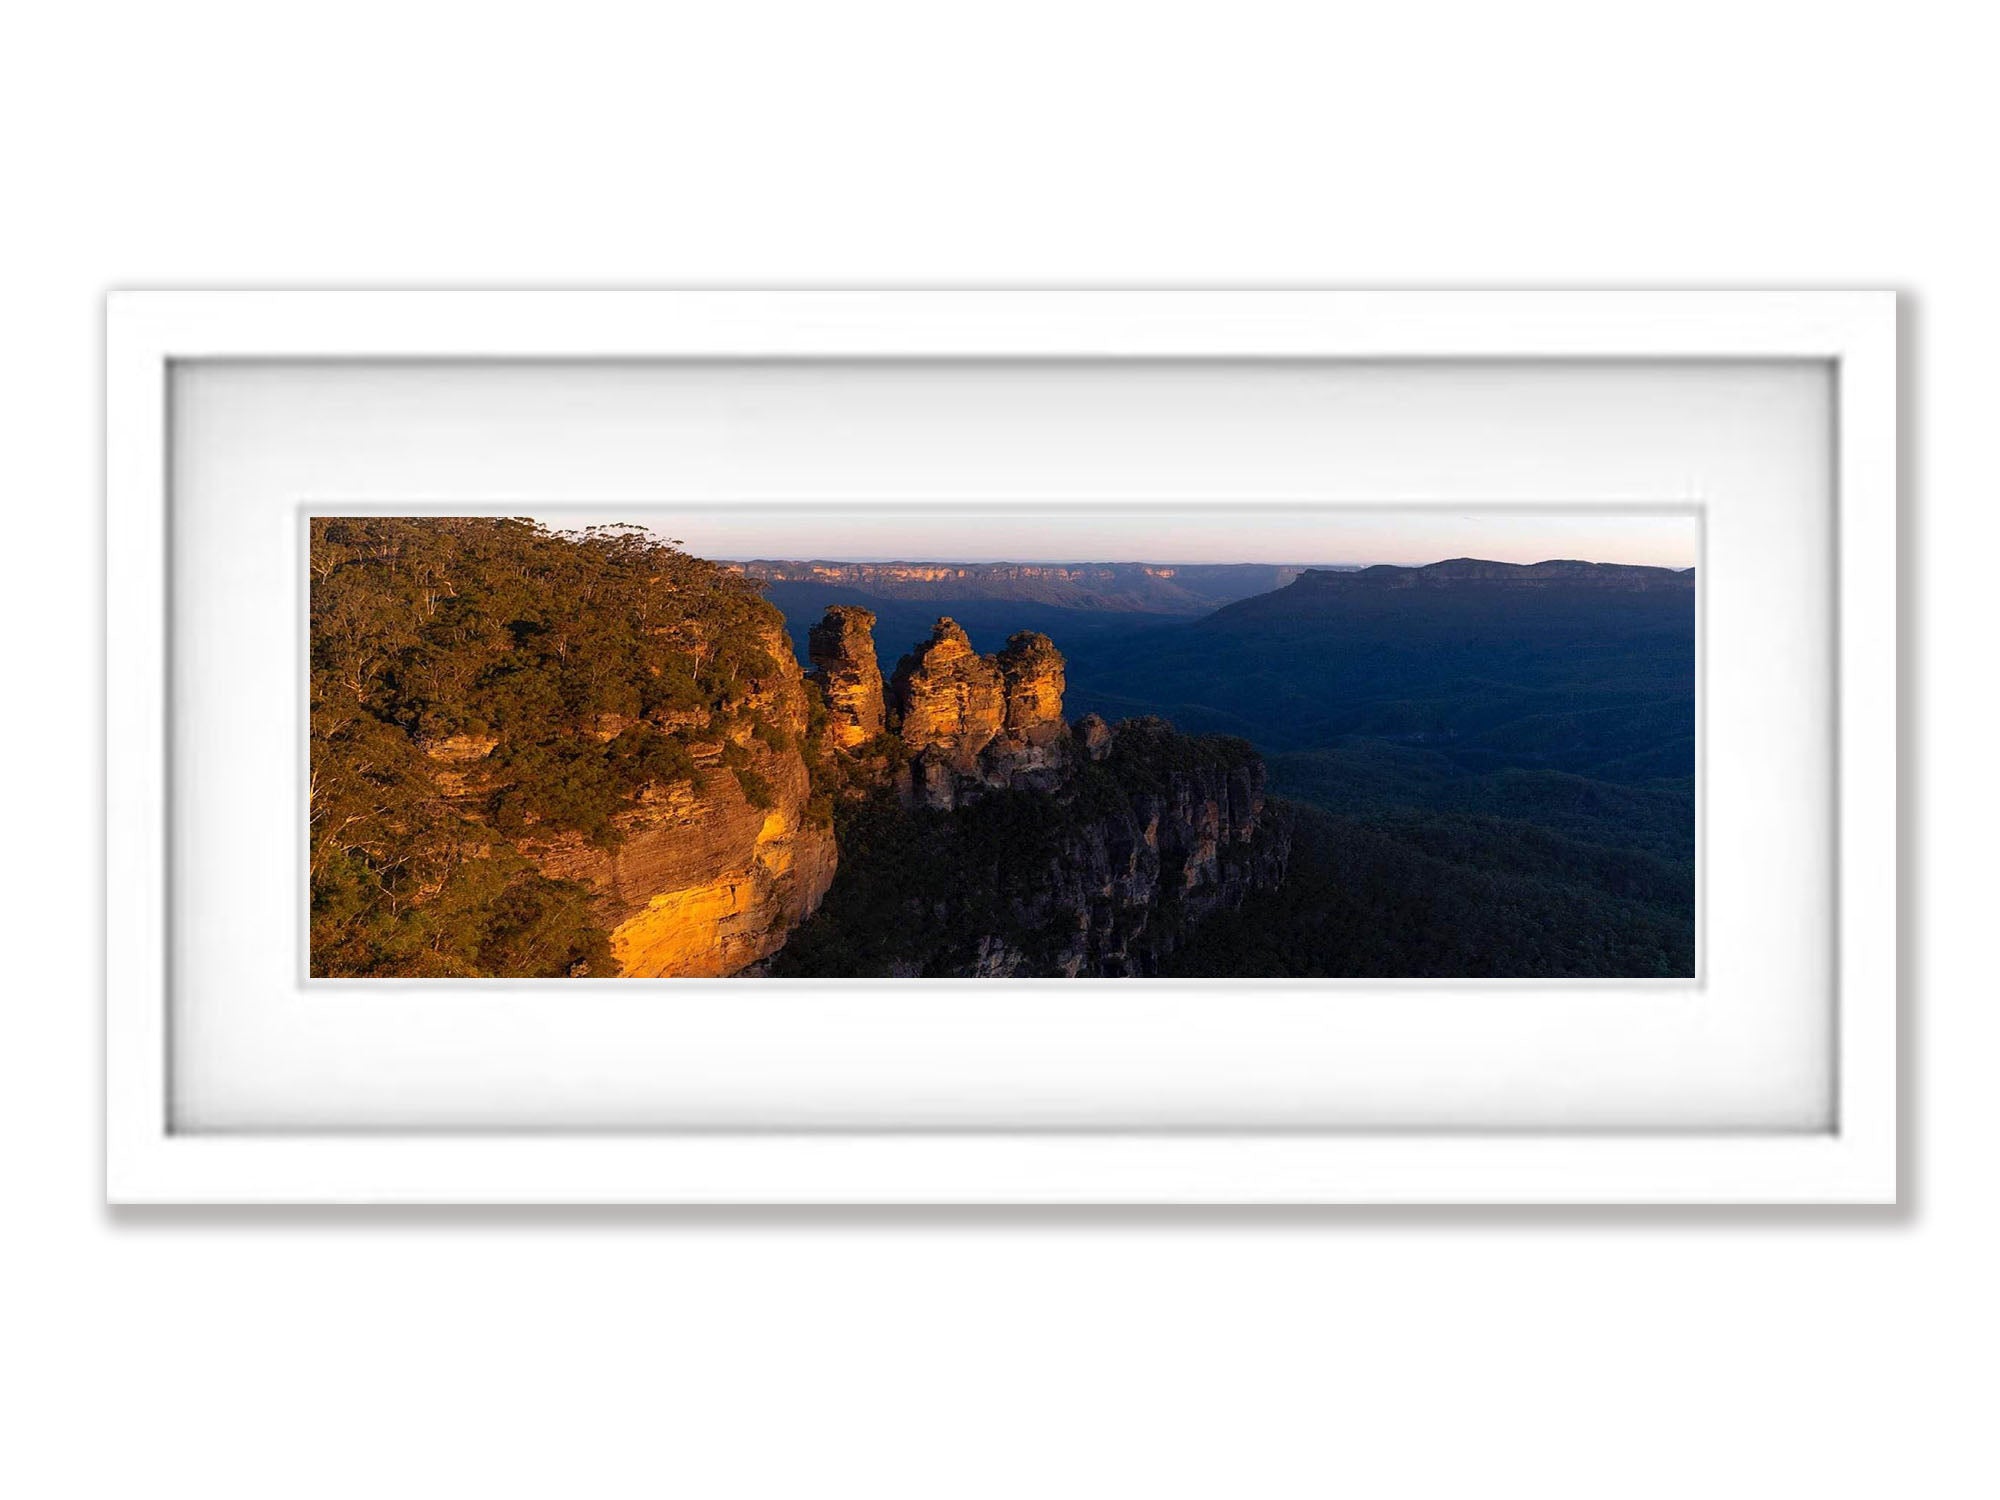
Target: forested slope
{"points": [[534, 753]]}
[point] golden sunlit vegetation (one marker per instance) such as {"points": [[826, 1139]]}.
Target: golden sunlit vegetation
{"points": [[473, 680]]}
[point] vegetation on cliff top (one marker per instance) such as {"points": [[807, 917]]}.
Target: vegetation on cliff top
{"points": [[478, 681]]}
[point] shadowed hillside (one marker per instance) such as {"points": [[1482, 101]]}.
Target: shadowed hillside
{"points": [[1574, 666]]}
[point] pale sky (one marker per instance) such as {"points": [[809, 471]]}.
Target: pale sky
{"points": [[1175, 533]]}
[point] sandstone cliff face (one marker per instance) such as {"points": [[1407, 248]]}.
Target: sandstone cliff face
{"points": [[1163, 841], [705, 882], [710, 883], [538, 753], [842, 647], [1031, 686], [948, 698], [973, 723]]}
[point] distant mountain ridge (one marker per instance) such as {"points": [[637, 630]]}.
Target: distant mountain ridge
{"points": [[1553, 573], [1466, 589], [1133, 587], [1452, 654]]}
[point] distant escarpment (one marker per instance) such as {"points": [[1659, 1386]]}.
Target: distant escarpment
{"points": [[539, 753], [981, 835], [1147, 588]]}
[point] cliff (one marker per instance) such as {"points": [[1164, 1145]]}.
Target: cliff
{"points": [[842, 647], [1031, 722], [948, 701], [541, 753], [709, 875], [1002, 842], [1162, 833], [970, 723]]}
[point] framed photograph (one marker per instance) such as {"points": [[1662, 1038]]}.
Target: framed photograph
{"points": [[1009, 747]]}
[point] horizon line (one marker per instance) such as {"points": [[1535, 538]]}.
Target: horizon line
{"points": [[1139, 562]]}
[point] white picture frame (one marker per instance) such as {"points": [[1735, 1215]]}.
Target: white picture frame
{"points": [[1853, 1160]]}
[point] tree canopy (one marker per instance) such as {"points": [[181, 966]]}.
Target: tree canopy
{"points": [[476, 680]]}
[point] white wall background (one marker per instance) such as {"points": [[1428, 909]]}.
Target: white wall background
{"points": [[1447, 1354]]}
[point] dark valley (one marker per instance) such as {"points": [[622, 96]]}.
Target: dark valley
{"points": [[1484, 768]]}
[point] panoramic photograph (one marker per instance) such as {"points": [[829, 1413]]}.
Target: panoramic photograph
{"points": [[1253, 742]]}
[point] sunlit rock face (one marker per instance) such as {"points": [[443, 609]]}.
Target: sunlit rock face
{"points": [[949, 704], [974, 723], [949, 699], [842, 647], [1032, 746], [705, 883], [768, 872], [1031, 678]]}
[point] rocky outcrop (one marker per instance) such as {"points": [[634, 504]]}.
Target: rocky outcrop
{"points": [[842, 647], [710, 876], [972, 723], [1106, 869], [1031, 686], [948, 703], [1033, 747], [1183, 837], [1093, 736], [947, 697], [1016, 844], [705, 883]]}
